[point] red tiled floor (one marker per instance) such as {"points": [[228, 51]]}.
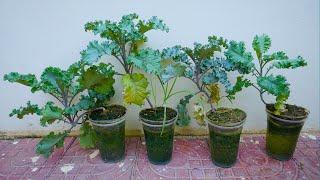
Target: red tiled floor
{"points": [[191, 160]]}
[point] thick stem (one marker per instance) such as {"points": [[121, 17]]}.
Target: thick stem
{"points": [[260, 93], [261, 97]]}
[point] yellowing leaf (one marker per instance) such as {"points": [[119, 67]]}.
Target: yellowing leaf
{"points": [[214, 93], [199, 114], [135, 88]]}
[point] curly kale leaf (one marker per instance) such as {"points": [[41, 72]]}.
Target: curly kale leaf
{"points": [[201, 52], [76, 68], [240, 84], [176, 63], [130, 29], [290, 63], [55, 81], [171, 69], [135, 88], [147, 60], [88, 136], [277, 86], [98, 78], [239, 58], [50, 113], [24, 79], [85, 103], [47, 144], [29, 109], [95, 50], [183, 115], [280, 55], [218, 42], [261, 44], [153, 23], [216, 75]]}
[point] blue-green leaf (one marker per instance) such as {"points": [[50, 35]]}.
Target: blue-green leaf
{"points": [[183, 114], [29, 109], [47, 144], [239, 58], [261, 44], [147, 60], [290, 63], [85, 103], [55, 81], [277, 86], [96, 50], [27, 79], [280, 55], [50, 113]]}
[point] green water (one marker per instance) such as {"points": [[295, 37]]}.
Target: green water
{"points": [[111, 142], [282, 139], [159, 146], [224, 147]]}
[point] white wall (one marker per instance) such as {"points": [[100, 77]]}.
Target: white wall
{"points": [[35, 34]]}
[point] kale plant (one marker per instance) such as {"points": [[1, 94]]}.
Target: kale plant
{"points": [[161, 66], [122, 40], [266, 82], [206, 67], [78, 90]]}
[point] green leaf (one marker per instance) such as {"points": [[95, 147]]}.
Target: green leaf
{"points": [[153, 23], [88, 137], [201, 52], [239, 58], [29, 109], [135, 88], [183, 114], [27, 79], [50, 114], [101, 99], [277, 86], [147, 60], [171, 69], [55, 81], [76, 68], [218, 42], [47, 144], [240, 84], [85, 103], [280, 55], [130, 29], [96, 50], [175, 63], [290, 63], [261, 44], [98, 78]]}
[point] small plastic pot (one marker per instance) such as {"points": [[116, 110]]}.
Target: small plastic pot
{"points": [[159, 145], [282, 135], [224, 143], [110, 138]]}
